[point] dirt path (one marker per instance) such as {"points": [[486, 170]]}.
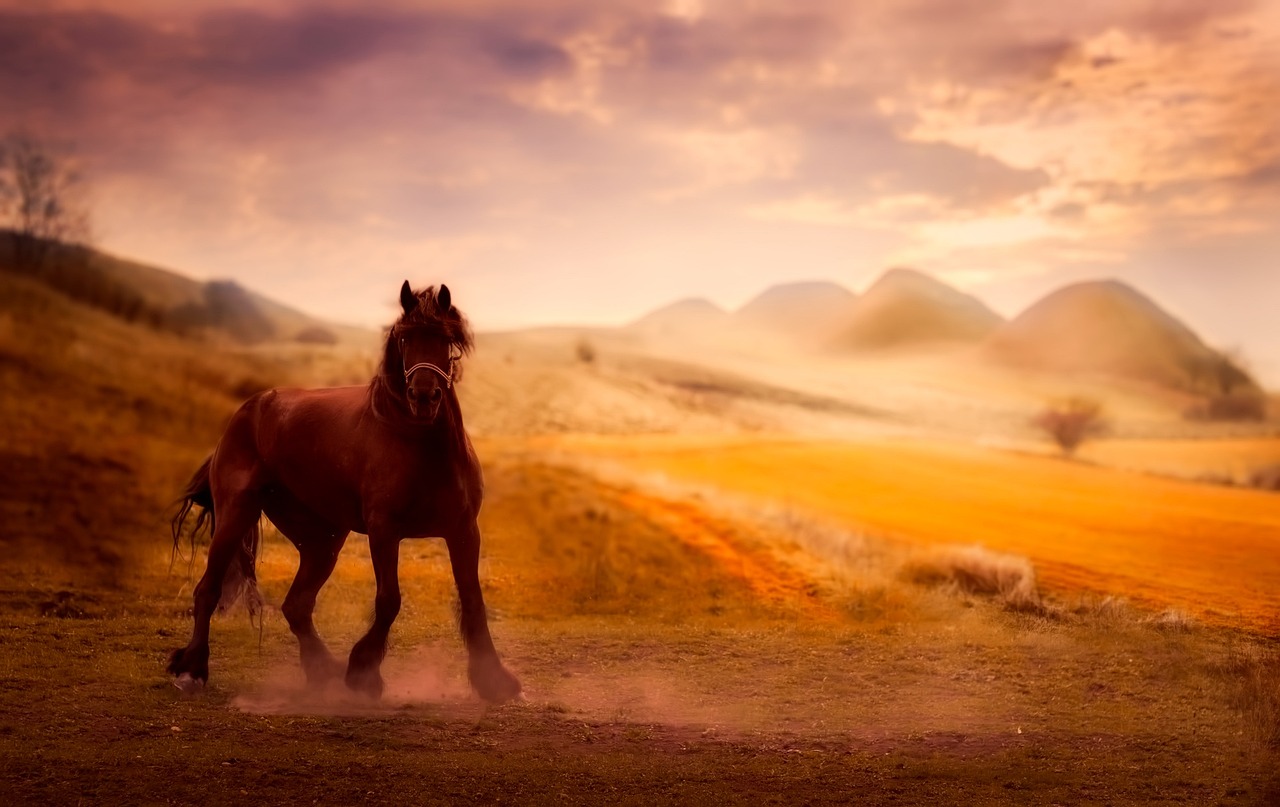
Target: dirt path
{"points": [[772, 582]]}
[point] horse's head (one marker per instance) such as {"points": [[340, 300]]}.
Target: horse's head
{"points": [[428, 339]]}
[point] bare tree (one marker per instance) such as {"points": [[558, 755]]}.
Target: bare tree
{"points": [[39, 198], [1070, 422]]}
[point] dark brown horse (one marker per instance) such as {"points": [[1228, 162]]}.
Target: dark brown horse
{"points": [[391, 460]]}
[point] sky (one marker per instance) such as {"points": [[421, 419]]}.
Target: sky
{"points": [[578, 161]]}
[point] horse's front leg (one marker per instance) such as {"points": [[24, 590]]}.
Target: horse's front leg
{"points": [[366, 656], [491, 680]]}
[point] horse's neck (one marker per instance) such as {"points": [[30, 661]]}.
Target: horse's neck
{"points": [[447, 429], [451, 419]]}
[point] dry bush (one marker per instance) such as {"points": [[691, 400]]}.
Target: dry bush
{"points": [[1070, 422], [585, 351], [974, 570], [1172, 621], [849, 551], [1106, 611], [1266, 478]]}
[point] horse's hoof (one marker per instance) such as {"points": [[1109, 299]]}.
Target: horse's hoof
{"points": [[189, 684], [366, 682], [495, 684]]}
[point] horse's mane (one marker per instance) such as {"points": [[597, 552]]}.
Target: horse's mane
{"points": [[388, 381]]}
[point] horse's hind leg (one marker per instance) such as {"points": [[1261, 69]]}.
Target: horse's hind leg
{"points": [[237, 515], [318, 545]]}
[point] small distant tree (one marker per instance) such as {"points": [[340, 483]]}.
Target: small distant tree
{"points": [[1070, 422], [39, 199], [585, 351]]}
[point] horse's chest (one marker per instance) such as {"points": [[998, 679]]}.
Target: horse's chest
{"points": [[431, 501]]}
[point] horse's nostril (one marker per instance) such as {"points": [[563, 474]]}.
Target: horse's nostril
{"points": [[412, 393], [435, 395]]}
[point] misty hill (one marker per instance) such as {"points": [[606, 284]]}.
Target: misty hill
{"points": [[1110, 328], [691, 317], [225, 305], [905, 307], [160, 298], [806, 311]]}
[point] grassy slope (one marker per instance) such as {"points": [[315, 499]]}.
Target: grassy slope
{"points": [[104, 422], [169, 290]]}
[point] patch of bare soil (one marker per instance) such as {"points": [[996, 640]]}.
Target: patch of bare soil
{"points": [[621, 712]]}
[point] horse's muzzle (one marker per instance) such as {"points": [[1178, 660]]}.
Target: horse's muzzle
{"points": [[425, 404]]}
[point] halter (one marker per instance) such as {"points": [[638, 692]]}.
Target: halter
{"points": [[426, 365]]}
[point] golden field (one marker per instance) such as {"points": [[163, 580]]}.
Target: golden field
{"points": [[1211, 551]]}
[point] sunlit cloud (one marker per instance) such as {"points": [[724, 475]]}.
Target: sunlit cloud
{"points": [[1127, 129]]}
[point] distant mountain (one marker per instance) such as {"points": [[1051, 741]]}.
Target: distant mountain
{"points": [[905, 307], [225, 305], [691, 317], [142, 293], [805, 311], [1109, 327]]}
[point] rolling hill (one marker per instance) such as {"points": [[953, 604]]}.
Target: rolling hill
{"points": [[689, 318], [905, 307], [141, 292], [1110, 328], [804, 311]]}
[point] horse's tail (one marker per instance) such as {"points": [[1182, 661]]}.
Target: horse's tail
{"points": [[197, 492], [241, 576]]}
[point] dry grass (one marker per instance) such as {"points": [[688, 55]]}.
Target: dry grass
{"points": [[1173, 621], [974, 570], [1251, 675], [104, 420]]}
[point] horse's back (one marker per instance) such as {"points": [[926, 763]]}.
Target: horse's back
{"points": [[307, 441]]}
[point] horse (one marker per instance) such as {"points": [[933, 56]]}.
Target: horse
{"points": [[391, 460]]}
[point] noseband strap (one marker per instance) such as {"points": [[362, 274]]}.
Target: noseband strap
{"points": [[426, 365]]}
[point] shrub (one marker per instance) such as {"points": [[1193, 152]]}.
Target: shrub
{"points": [[585, 351], [1172, 621], [975, 570], [1266, 478], [1070, 422]]}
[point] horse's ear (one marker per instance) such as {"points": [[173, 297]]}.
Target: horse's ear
{"points": [[408, 300], [444, 299]]}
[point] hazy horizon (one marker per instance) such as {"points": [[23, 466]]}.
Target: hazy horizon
{"points": [[569, 162]]}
